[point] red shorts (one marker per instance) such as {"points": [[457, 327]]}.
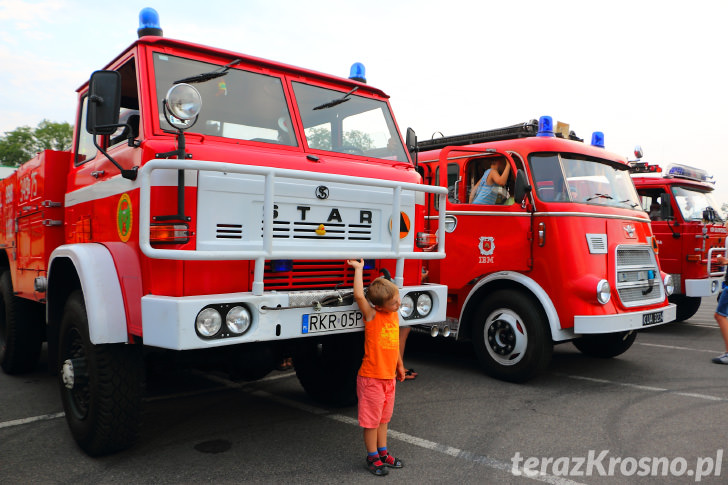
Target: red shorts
{"points": [[376, 400]]}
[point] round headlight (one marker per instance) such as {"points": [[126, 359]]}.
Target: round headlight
{"points": [[208, 322], [407, 307], [669, 285], [183, 101], [424, 304], [238, 319], [604, 292]]}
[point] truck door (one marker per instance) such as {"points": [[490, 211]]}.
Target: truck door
{"points": [[484, 238]]}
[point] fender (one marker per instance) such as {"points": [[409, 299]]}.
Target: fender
{"points": [[102, 294], [558, 334]]}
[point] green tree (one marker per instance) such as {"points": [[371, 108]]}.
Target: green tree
{"points": [[21, 144], [320, 138]]}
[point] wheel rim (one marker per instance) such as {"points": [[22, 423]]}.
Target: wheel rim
{"points": [[79, 395], [505, 337]]}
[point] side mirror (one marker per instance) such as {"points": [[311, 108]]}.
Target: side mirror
{"points": [[104, 96], [521, 187], [411, 142], [709, 215], [665, 209]]}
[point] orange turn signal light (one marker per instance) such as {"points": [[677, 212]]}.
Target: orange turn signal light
{"points": [[169, 233]]}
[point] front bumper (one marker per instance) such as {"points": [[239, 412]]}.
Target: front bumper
{"points": [[703, 287], [169, 322], [596, 324]]}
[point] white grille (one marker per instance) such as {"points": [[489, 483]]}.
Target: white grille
{"points": [[638, 277]]}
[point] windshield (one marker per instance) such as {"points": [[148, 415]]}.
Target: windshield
{"points": [[692, 202], [240, 105], [589, 180], [344, 122]]}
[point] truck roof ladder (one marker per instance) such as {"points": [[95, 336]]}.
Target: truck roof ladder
{"points": [[521, 130]]}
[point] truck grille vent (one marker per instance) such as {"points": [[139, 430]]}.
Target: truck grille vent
{"points": [[314, 275], [307, 230], [597, 243], [229, 231], [638, 277]]}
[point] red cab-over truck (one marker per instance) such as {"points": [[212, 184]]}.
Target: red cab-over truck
{"points": [[690, 233], [206, 210], [565, 254]]}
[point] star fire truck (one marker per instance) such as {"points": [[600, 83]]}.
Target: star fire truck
{"points": [[565, 254], [204, 214], [689, 231]]}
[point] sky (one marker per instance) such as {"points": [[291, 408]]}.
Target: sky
{"points": [[644, 72]]}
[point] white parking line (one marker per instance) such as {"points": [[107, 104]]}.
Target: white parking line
{"points": [[18, 422], [705, 397], [675, 347]]}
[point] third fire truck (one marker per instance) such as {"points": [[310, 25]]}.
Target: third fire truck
{"points": [[689, 231], [565, 254]]}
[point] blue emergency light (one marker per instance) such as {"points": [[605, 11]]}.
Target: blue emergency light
{"points": [[358, 72], [369, 263], [149, 23], [597, 139], [545, 126]]}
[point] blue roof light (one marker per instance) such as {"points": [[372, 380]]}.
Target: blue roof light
{"points": [[358, 72], [545, 126], [598, 139], [149, 23]]}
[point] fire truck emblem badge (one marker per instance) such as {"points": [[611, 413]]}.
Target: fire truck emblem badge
{"points": [[486, 246], [322, 192], [321, 230], [629, 230], [404, 225], [124, 218]]}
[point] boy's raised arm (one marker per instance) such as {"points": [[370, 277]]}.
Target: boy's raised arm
{"points": [[366, 309]]}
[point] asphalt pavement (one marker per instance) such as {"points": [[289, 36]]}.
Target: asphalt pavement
{"points": [[652, 415]]}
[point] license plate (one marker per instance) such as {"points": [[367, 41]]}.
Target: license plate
{"points": [[331, 322], [651, 318]]}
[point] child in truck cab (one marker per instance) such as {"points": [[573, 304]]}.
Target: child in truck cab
{"points": [[381, 365], [490, 184]]}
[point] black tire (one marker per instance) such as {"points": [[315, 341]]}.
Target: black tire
{"points": [[21, 329], [605, 345], [327, 367], [511, 336], [687, 306], [102, 406]]}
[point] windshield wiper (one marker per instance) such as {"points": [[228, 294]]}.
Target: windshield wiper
{"points": [[600, 196], [206, 76], [627, 201], [338, 101]]}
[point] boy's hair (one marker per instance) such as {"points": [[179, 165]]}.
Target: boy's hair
{"points": [[381, 290]]}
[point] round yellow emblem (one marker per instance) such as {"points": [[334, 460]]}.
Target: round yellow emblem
{"points": [[124, 218]]}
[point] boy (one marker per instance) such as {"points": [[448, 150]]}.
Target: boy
{"points": [[382, 363]]}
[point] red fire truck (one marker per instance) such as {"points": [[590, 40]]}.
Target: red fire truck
{"points": [[204, 214], [689, 231], [565, 254]]}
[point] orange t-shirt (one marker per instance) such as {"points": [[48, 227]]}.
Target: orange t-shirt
{"points": [[381, 346]]}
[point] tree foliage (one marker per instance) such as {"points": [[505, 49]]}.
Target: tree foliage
{"points": [[320, 138], [21, 144]]}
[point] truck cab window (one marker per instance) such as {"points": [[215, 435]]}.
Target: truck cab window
{"points": [[348, 123], [129, 107], [85, 149], [240, 105]]}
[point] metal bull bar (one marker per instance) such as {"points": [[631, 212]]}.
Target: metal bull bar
{"points": [[270, 174]]}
